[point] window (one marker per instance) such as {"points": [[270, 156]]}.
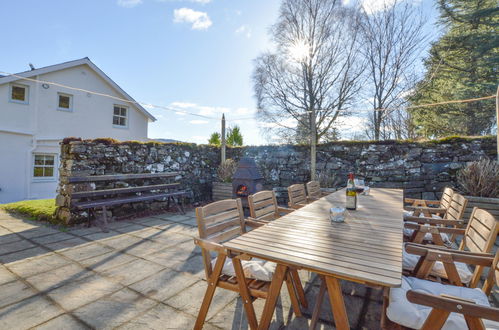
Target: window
{"points": [[19, 93], [120, 116], [64, 102], [44, 166]]}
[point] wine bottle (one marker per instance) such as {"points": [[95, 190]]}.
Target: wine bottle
{"points": [[351, 193]]}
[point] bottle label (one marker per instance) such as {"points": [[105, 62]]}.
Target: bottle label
{"points": [[351, 202]]}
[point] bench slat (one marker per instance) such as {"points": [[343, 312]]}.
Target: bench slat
{"points": [[116, 191], [132, 199], [118, 177]]}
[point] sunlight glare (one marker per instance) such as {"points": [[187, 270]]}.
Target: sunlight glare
{"points": [[299, 50]]}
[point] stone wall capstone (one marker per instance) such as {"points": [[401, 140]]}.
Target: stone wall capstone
{"points": [[422, 169]]}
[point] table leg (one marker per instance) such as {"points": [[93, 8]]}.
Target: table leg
{"points": [[337, 303], [274, 290], [318, 303], [245, 295]]}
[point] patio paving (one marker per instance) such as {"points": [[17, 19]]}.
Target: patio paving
{"points": [[144, 274]]}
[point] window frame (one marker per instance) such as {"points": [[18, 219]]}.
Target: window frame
{"points": [[70, 109], [120, 116], [53, 166], [26, 93]]}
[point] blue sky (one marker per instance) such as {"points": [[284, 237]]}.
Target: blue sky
{"points": [[194, 55]]}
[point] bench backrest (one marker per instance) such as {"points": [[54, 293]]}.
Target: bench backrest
{"points": [[456, 207], [263, 205], [218, 222], [297, 195], [314, 189]]}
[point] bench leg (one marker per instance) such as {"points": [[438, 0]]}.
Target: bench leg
{"points": [[90, 214], [104, 218]]}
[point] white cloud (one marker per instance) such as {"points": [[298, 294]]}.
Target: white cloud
{"points": [[372, 6], [198, 122], [199, 20], [183, 105], [203, 2], [129, 3], [203, 110], [288, 122], [245, 111], [243, 30]]}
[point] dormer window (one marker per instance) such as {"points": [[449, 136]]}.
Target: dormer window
{"points": [[120, 116], [19, 93], [64, 102]]}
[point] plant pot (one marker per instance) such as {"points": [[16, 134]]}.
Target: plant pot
{"points": [[222, 190], [489, 204]]}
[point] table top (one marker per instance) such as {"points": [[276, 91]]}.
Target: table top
{"points": [[366, 248]]}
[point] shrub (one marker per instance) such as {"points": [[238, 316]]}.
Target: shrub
{"points": [[226, 170], [480, 178]]}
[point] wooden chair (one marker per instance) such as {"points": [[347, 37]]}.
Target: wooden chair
{"points": [[297, 196], [218, 222], [424, 227], [478, 237], [441, 300], [314, 190], [263, 206], [423, 206]]}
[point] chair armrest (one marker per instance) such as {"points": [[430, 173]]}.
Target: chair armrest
{"points": [[431, 221], [453, 305], [430, 210], [284, 209], [435, 229], [210, 246], [444, 254], [414, 200], [255, 223]]}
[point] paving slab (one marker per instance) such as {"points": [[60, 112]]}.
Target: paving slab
{"points": [[23, 255], [193, 266], [122, 242], [28, 313], [13, 292], [66, 244], [171, 255], [164, 284], [27, 268], [57, 277], [143, 248], [133, 271], [163, 317], [107, 261], [74, 294], [5, 275], [62, 322], [18, 245], [53, 238], [9, 237], [129, 229], [38, 231], [86, 251], [113, 310], [102, 235], [151, 221]]}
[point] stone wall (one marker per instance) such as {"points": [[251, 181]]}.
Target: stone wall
{"points": [[421, 169]]}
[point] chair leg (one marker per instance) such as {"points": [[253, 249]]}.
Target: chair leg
{"points": [[318, 304], [292, 295], [299, 287], [210, 291], [436, 319], [474, 323]]}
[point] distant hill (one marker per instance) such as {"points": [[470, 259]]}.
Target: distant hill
{"points": [[165, 140]]}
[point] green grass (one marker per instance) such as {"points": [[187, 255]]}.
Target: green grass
{"points": [[37, 209]]}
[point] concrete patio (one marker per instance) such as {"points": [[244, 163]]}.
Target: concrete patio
{"points": [[144, 274]]}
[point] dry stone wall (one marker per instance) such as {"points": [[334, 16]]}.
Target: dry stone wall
{"points": [[421, 169]]}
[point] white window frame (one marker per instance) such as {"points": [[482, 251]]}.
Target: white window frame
{"points": [[70, 109], [26, 94], [44, 178], [126, 117]]}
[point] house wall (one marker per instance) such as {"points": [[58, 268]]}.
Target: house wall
{"points": [[91, 117]]}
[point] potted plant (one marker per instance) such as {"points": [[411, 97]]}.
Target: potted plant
{"points": [[479, 181], [223, 188]]}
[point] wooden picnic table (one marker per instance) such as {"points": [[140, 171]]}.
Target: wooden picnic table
{"points": [[366, 248]]}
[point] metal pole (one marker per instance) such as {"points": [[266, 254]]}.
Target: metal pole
{"points": [[313, 145], [223, 139], [497, 121]]}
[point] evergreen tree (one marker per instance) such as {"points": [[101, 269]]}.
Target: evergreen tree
{"points": [[214, 139], [462, 64], [234, 136]]}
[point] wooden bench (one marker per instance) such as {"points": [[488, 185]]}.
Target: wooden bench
{"points": [[102, 198]]}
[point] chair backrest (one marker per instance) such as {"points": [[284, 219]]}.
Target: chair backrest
{"points": [[297, 195], [446, 197], [481, 232], [314, 189], [218, 222], [493, 276], [263, 205], [456, 207]]}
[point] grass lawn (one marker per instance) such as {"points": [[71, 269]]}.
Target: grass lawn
{"points": [[37, 209]]}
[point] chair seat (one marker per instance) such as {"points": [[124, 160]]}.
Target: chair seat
{"points": [[409, 262], [255, 269], [427, 237], [407, 314]]}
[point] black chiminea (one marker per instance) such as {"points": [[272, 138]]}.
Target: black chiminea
{"points": [[247, 180]]}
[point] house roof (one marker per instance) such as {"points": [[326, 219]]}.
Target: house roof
{"points": [[70, 64]]}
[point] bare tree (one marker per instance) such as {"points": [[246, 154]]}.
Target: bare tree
{"points": [[314, 73], [393, 39]]}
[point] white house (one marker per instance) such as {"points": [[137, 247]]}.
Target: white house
{"points": [[35, 117]]}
